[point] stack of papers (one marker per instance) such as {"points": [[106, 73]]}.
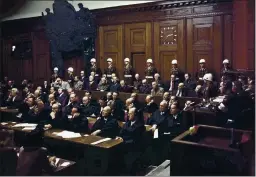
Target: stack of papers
{"points": [[65, 164], [101, 141], [218, 99], [156, 134], [29, 128], [4, 123], [25, 125], [67, 134]]}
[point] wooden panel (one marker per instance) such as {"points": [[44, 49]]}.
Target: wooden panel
{"points": [[228, 36], [138, 40], [138, 62], [111, 46], [165, 59], [204, 39], [169, 36]]}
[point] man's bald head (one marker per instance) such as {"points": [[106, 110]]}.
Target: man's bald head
{"points": [[106, 111], [163, 106]]}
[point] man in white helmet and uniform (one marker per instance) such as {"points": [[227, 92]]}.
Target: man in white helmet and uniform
{"points": [[55, 74], [176, 71], [110, 69], [226, 68], [150, 71], [96, 70], [70, 76], [210, 90], [128, 72], [202, 71]]}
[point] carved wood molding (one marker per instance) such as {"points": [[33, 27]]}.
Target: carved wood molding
{"points": [[162, 10]]}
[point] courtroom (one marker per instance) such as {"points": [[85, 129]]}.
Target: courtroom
{"points": [[127, 88]]}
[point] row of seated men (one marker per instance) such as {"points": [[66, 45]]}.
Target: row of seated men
{"points": [[73, 116]]}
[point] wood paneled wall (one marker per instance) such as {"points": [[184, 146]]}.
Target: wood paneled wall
{"points": [[165, 30], [188, 34]]}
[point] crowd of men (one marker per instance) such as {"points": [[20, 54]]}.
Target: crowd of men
{"points": [[56, 105]]}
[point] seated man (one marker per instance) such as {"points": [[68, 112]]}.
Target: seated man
{"points": [[38, 114], [172, 85], [124, 87], [92, 85], [136, 82], [103, 85], [173, 99], [166, 96], [102, 103], [158, 116], [76, 122], [13, 101], [132, 136], [78, 84], [56, 120], [87, 109], [118, 107], [51, 101], [62, 98], [150, 105], [156, 90], [136, 102], [115, 86], [32, 160], [189, 83], [72, 103], [145, 87], [106, 125], [181, 92]]}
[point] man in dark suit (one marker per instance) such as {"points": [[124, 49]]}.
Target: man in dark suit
{"points": [[124, 87], [62, 98], [71, 104], [106, 125], [115, 86], [132, 136], [13, 101], [87, 109], [158, 116], [145, 87], [182, 91], [189, 83], [45, 87], [172, 85], [76, 121], [150, 105], [118, 107]]}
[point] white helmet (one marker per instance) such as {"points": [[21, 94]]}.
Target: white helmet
{"points": [[201, 61], [82, 72], [149, 60], [226, 61], [126, 60], [93, 60], [109, 60], [56, 69], [174, 62], [208, 77], [70, 69]]}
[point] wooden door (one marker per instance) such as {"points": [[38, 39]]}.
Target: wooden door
{"points": [[169, 45], [111, 44], [204, 40], [138, 45]]}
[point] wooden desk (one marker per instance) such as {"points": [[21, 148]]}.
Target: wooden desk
{"points": [[7, 114], [206, 153], [97, 159]]}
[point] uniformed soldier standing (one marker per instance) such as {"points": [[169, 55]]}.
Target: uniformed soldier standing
{"points": [[110, 69], [150, 71], [96, 70], [176, 71], [128, 72], [55, 75], [70, 76]]}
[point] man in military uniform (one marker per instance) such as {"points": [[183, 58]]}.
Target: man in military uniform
{"points": [[226, 68], [150, 71], [96, 70], [55, 75], [202, 71], [70, 76], [176, 71], [128, 72], [110, 69]]}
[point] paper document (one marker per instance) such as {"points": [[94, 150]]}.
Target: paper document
{"points": [[19, 115], [86, 135], [67, 134], [29, 128], [156, 134], [25, 125], [101, 141], [65, 164], [56, 161], [4, 123], [218, 99]]}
